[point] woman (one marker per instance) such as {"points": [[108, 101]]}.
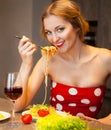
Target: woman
{"points": [[78, 72]]}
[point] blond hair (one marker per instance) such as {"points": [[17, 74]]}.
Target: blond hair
{"points": [[70, 11]]}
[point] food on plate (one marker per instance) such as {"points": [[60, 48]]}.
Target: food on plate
{"points": [[2, 116], [48, 118], [41, 110], [27, 118], [58, 121]]}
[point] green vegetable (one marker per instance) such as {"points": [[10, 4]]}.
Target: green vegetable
{"points": [[58, 122]]}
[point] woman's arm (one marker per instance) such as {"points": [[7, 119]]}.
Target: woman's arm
{"points": [[106, 120], [30, 81]]}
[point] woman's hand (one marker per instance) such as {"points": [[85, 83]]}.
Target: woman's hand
{"points": [[87, 118], [106, 120], [26, 50]]}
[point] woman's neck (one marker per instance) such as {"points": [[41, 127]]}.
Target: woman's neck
{"points": [[73, 54]]}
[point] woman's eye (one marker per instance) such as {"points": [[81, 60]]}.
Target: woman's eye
{"points": [[47, 32], [60, 29]]}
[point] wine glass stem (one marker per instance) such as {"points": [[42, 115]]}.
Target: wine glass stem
{"points": [[13, 111]]}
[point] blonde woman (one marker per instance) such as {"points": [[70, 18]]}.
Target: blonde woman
{"points": [[78, 72]]}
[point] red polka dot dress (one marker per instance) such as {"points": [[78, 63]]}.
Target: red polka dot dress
{"points": [[77, 101]]}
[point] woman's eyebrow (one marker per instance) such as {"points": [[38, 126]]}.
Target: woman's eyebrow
{"points": [[55, 27]]}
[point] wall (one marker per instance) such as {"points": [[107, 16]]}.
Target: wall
{"points": [[38, 7], [19, 17], [15, 19], [89, 8]]}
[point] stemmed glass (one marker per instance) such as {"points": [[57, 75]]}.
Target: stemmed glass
{"points": [[13, 90]]}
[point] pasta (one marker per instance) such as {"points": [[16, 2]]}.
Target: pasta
{"points": [[48, 51]]}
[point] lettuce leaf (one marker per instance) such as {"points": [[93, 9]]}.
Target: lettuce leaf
{"points": [[58, 122]]}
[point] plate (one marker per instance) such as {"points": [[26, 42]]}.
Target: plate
{"points": [[28, 112], [5, 114], [61, 113]]}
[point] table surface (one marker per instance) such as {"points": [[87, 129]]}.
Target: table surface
{"points": [[6, 106]]}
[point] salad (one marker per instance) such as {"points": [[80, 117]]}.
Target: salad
{"points": [[41, 110], [48, 118], [58, 122], [55, 120]]}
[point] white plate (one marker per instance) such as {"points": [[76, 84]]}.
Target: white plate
{"points": [[27, 112], [61, 113], [5, 114]]}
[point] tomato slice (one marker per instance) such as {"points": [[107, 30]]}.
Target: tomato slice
{"points": [[43, 112], [27, 118]]}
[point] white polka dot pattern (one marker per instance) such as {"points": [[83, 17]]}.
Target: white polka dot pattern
{"points": [[80, 114], [59, 107], [54, 84], [53, 99], [97, 92], [73, 91], [72, 104], [92, 108], [76, 100], [60, 98], [85, 101]]}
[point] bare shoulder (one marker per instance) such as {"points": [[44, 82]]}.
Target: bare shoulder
{"points": [[103, 53], [104, 56]]}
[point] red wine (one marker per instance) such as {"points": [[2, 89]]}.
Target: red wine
{"points": [[13, 93]]}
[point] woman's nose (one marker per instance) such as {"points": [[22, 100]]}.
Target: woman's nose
{"points": [[55, 37]]}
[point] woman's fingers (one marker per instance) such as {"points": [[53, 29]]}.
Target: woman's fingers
{"points": [[29, 51], [26, 49], [25, 46], [87, 118], [106, 120]]}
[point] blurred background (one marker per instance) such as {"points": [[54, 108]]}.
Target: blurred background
{"points": [[23, 17]]}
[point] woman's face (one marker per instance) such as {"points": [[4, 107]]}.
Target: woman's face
{"points": [[60, 33]]}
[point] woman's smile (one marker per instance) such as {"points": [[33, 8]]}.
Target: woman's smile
{"points": [[59, 44], [59, 32]]}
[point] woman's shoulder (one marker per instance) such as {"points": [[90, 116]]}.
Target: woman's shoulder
{"points": [[102, 52], [104, 55]]}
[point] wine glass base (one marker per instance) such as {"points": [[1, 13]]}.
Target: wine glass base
{"points": [[11, 125]]}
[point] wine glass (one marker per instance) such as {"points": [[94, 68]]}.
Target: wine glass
{"points": [[13, 90]]}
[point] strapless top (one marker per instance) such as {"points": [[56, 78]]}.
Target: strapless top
{"points": [[76, 100]]}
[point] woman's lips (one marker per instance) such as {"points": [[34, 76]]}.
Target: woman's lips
{"points": [[60, 44]]}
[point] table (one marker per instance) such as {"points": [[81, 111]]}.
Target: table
{"points": [[6, 106]]}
